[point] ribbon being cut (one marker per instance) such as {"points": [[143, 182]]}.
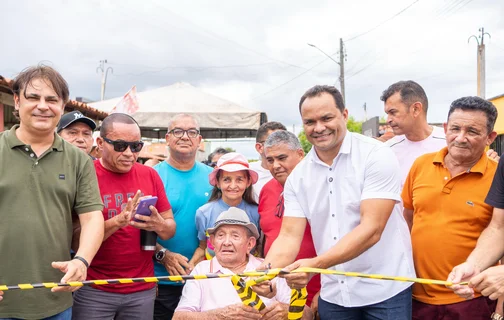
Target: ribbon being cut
{"points": [[244, 289]]}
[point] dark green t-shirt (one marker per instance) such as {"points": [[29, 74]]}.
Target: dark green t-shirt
{"points": [[37, 197]]}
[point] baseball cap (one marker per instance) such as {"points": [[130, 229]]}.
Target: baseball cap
{"points": [[234, 216], [72, 117], [232, 162]]}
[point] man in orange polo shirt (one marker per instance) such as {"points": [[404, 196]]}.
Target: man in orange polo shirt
{"points": [[444, 194]]}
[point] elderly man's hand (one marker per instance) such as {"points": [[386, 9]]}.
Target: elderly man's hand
{"points": [[276, 311], [1, 294], [266, 289], [239, 311], [301, 279], [461, 273], [74, 270], [489, 282]]}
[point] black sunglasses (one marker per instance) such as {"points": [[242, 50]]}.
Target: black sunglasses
{"points": [[121, 146]]}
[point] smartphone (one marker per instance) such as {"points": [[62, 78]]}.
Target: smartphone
{"points": [[143, 207]]}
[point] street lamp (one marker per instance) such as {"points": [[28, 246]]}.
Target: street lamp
{"points": [[342, 67]]}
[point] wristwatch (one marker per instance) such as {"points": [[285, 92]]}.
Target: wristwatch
{"points": [[496, 316], [160, 255]]}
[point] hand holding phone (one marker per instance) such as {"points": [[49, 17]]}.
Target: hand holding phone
{"points": [[143, 207]]}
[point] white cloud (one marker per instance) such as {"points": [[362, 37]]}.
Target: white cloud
{"points": [[245, 51]]}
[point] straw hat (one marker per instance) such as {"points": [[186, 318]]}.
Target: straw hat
{"points": [[234, 216]]}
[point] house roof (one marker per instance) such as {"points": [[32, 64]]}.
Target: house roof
{"points": [[6, 84]]}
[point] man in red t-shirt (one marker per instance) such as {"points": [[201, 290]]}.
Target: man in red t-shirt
{"points": [[122, 182], [283, 153]]}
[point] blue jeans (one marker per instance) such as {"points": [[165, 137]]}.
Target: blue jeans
{"points": [[396, 308], [65, 315]]}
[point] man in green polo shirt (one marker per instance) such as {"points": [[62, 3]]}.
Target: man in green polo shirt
{"points": [[42, 180]]}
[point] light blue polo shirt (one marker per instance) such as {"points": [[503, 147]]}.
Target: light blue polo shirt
{"points": [[186, 191]]}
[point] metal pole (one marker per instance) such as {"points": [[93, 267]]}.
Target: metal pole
{"points": [[104, 73], [341, 78], [342, 70]]}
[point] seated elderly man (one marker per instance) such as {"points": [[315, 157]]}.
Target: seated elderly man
{"points": [[233, 236]]}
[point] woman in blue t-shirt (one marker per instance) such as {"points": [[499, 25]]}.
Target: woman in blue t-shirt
{"points": [[232, 180]]}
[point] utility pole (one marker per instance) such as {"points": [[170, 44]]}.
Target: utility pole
{"points": [[365, 111], [341, 63], [480, 61], [104, 73], [342, 58]]}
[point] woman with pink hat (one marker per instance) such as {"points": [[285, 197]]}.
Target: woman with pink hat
{"points": [[232, 180]]}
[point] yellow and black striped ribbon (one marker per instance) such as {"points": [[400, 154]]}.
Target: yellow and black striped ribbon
{"points": [[297, 304], [272, 272], [246, 294], [49, 285], [375, 276]]}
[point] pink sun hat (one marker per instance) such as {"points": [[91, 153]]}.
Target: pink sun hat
{"points": [[232, 162]]}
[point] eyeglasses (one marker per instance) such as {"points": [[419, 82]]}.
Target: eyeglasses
{"points": [[121, 146], [280, 207], [179, 133]]}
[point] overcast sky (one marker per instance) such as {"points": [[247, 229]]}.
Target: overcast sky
{"points": [[255, 52]]}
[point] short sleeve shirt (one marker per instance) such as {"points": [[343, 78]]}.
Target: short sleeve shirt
{"points": [[329, 197], [449, 214], [120, 255], [408, 151], [37, 197], [187, 190], [210, 294]]}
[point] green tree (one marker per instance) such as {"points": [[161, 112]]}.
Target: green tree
{"points": [[304, 142], [352, 126]]}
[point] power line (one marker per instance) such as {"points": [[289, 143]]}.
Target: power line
{"points": [[452, 4], [382, 23], [460, 7]]}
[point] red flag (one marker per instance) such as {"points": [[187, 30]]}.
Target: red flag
{"points": [[128, 104]]}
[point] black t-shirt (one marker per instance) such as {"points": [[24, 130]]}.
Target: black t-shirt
{"points": [[495, 196]]}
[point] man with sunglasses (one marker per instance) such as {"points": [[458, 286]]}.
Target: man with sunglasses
{"points": [[283, 153], [187, 186], [122, 182]]}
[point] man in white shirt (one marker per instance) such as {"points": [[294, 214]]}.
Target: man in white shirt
{"points": [[348, 189], [261, 166], [406, 107]]}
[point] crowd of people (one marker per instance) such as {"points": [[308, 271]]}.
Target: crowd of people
{"points": [[426, 203]]}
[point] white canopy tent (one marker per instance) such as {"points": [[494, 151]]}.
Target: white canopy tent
{"points": [[218, 118]]}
